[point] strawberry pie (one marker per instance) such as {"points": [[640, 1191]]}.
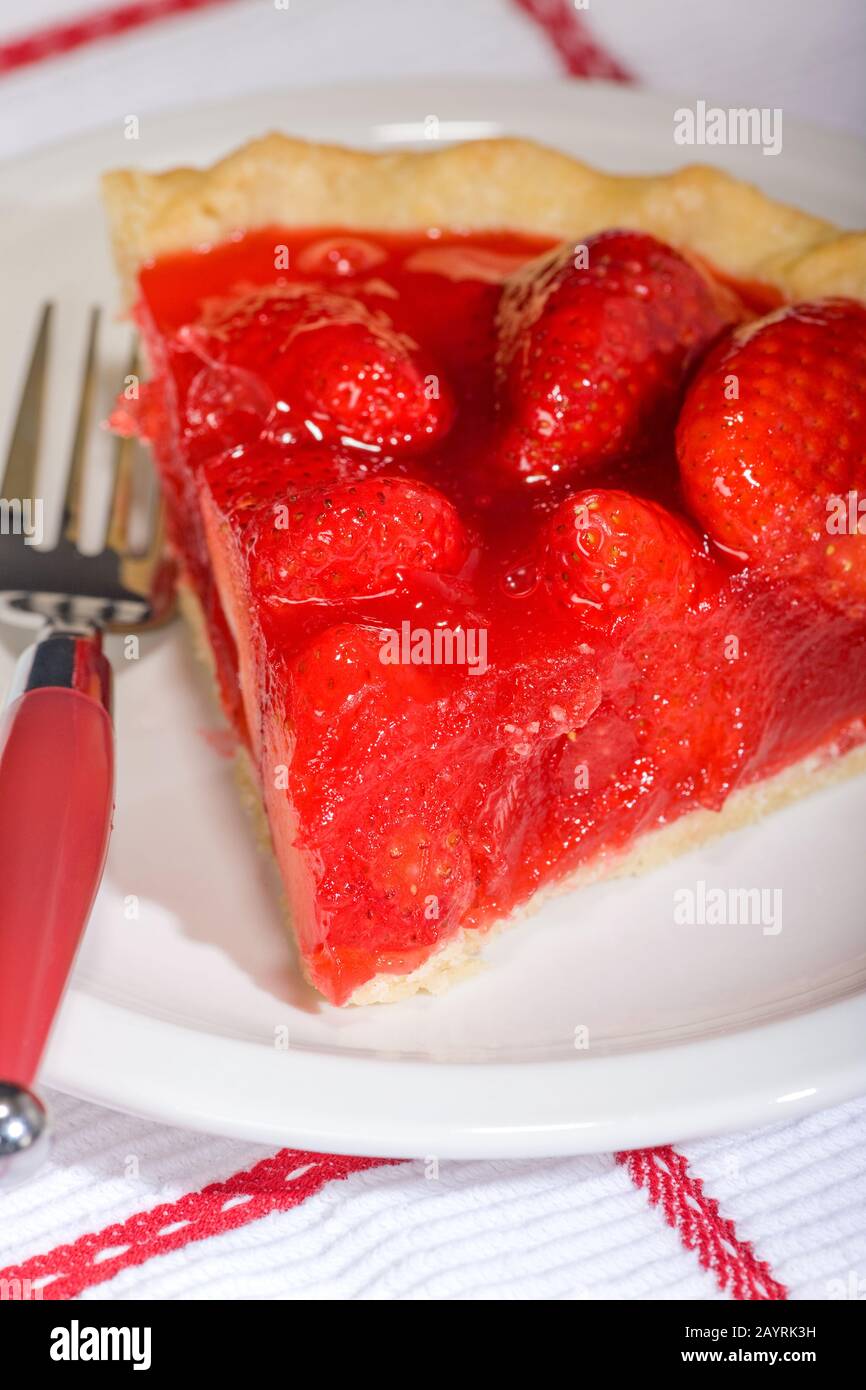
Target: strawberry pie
{"points": [[521, 508]]}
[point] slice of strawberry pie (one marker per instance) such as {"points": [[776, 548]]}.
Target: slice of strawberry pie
{"points": [[522, 508]]}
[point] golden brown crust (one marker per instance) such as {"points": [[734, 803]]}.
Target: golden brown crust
{"points": [[481, 185]]}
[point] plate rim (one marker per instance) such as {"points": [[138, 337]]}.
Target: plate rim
{"points": [[589, 97], [793, 1065], [383, 1107]]}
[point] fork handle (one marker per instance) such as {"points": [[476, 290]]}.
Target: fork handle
{"points": [[56, 800]]}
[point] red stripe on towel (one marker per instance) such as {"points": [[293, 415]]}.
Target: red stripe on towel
{"points": [[275, 1184], [571, 37], [66, 35], [664, 1175]]}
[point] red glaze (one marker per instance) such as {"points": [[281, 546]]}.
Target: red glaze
{"points": [[413, 789]]}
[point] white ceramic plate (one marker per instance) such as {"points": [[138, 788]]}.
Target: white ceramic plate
{"points": [[181, 1013]]}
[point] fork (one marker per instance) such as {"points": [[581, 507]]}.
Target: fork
{"points": [[56, 734]]}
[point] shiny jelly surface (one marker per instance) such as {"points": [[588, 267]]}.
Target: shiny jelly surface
{"points": [[427, 794]]}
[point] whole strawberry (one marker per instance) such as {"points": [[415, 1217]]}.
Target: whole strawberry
{"points": [[609, 554], [344, 539], [772, 447], [263, 474], [594, 344], [329, 369]]}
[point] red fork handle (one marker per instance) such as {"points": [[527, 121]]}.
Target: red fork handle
{"points": [[56, 799]]}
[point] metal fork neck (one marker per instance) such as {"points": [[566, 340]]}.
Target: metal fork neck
{"points": [[56, 627]]}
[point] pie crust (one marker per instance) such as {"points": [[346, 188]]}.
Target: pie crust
{"points": [[518, 186], [481, 185]]}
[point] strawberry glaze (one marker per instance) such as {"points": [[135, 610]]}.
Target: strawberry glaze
{"points": [[419, 798]]}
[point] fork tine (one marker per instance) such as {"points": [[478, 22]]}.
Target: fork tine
{"points": [[148, 494], [121, 499], [141, 567], [19, 476], [75, 475], [122, 487], [142, 560], [157, 528]]}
